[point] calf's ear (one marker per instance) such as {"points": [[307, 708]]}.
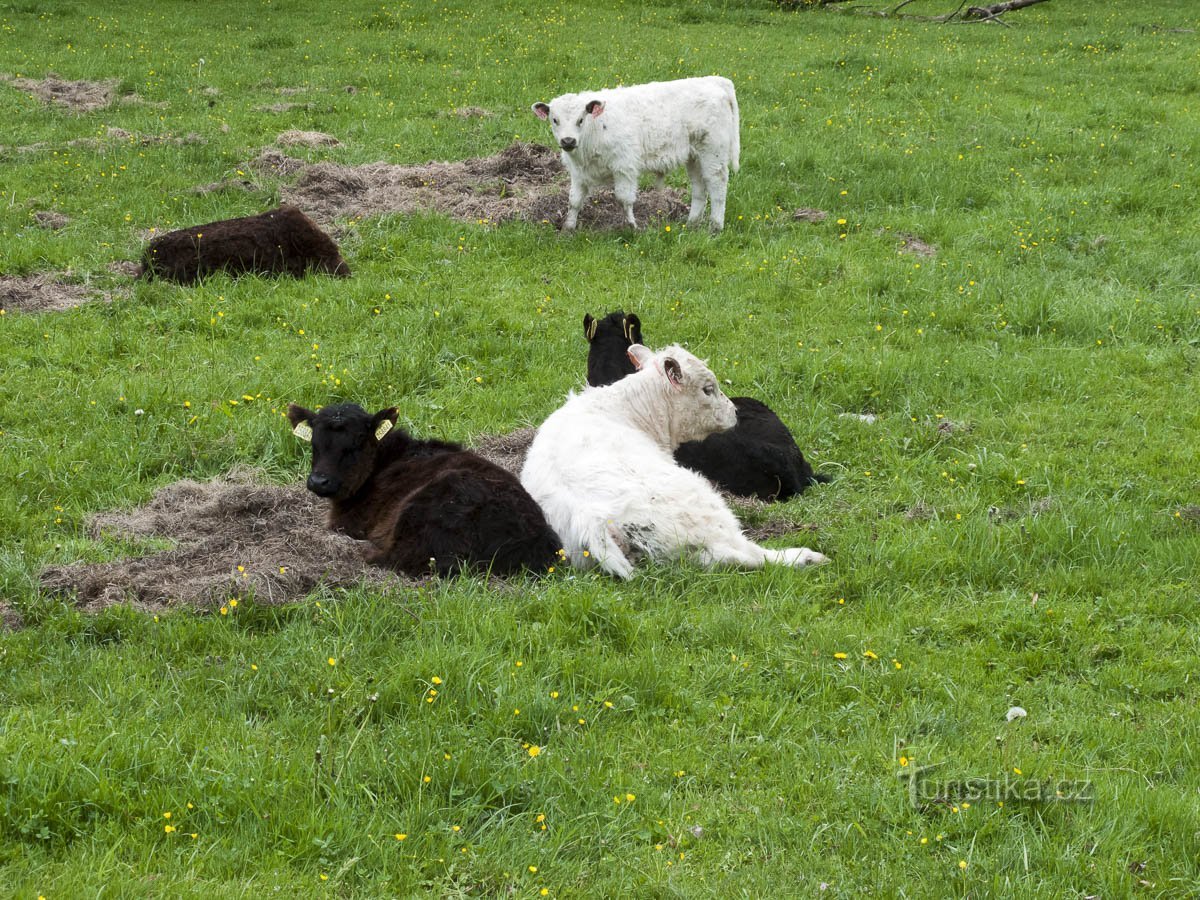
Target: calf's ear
{"points": [[541, 110], [632, 327], [595, 107], [639, 355], [589, 327], [300, 418], [383, 421], [674, 372]]}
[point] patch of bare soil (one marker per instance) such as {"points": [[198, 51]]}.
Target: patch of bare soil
{"points": [[50, 219], [506, 450], [472, 112], [296, 138], [282, 107], [120, 134], [126, 267], [233, 535], [226, 184], [42, 293], [919, 512], [524, 182], [10, 618], [77, 96], [271, 162], [1032, 509], [812, 216], [910, 243], [117, 134], [946, 426]]}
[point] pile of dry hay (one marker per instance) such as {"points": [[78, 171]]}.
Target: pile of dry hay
{"points": [[524, 182]]}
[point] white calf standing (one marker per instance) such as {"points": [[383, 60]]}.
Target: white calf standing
{"points": [[602, 471], [612, 136]]}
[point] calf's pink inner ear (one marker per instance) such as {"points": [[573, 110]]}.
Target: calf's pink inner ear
{"points": [[303, 431], [673, 372], [541, 110]]}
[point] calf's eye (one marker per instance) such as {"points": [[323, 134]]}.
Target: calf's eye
{"points": [[555, 121], [709, 389]]}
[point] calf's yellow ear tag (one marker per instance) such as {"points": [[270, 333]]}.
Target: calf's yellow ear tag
{"points": [[384, 427], [303, 431]]}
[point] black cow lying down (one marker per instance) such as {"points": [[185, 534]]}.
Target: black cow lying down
{"points": [[424, 506], [281, 241], [758, 457]]}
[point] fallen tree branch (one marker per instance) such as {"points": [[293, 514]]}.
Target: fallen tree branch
{"points": [[984, 13], [969, 15]]}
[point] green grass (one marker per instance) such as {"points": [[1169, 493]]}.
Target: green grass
{"points": [[1053, 164]]}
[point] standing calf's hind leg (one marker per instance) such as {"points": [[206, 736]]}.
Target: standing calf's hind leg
{"points": [[625, 189], [699, 192], [716, 181]]}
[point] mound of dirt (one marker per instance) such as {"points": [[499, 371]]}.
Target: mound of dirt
{"points": [[227, 184], [524, 182], [506, 450], [472, 112], [10, 619], [910, 243], [282, 107], [234, 536], [50, 219], [295, 138], [125, 267], [41, 293], [77, 96], [271, 162], [812, 216]]}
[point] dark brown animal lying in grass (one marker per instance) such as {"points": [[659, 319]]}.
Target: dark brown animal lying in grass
{"points": [[281, 241], [424, 506], [758, 457]]}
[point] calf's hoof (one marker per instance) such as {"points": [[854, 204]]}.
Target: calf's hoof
{"points": [[802, 556]]}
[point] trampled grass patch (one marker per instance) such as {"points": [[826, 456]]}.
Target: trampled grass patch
{"points": [[1009, 418]]}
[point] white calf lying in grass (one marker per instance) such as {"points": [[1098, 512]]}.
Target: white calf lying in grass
{"points": [[601, 469]]}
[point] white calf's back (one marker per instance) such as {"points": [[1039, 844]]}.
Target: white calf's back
{"points": [[614, 134]]}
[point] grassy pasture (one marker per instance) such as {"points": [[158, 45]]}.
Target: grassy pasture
{"points": [[1020, 525]]}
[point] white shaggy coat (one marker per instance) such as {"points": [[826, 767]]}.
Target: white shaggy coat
{"points": [[611, 136], [602, 471]]}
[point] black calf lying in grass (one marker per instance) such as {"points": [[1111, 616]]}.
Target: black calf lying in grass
{"points": [[758, 457], [281, 241], [425, 506]]}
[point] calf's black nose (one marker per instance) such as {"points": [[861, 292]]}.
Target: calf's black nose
{"points": [[567, 143], [320, 485]]}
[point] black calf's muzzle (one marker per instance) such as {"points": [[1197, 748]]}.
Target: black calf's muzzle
{"points": [[321, 485], [567, 143]]}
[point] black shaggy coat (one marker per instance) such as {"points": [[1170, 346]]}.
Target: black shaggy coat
{"points": [[425, 506], [281, 241], [758, 457]]}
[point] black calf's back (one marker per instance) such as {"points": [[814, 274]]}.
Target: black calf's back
{"points": [[758, 457], [282, 241], [423, 506]]}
